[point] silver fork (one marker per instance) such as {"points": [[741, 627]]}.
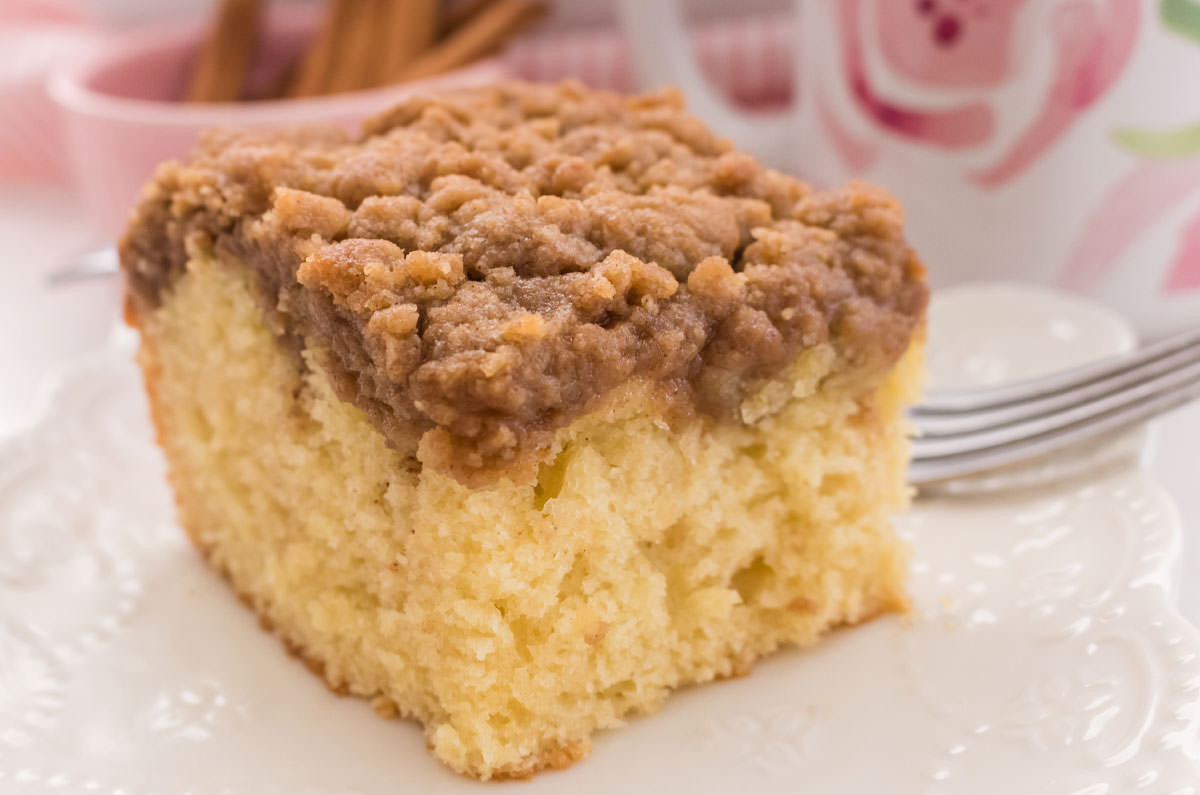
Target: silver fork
{"points": [[970, 431]]}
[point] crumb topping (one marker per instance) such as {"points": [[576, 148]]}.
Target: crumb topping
{"points": [[484, 265]]}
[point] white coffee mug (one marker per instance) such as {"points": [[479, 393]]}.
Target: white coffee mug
{"points": [[1053, 141]]}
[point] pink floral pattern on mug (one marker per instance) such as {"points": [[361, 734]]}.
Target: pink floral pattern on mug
{"points": [[1184, 274], [952, 46], [1130, 208], [1169, 174]]}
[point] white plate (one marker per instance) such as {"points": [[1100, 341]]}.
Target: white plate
{"points": [[1044, 655]]}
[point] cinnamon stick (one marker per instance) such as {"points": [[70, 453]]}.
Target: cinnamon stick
{"points": [[312, 74], [224, 57], [410, 27], [485, 31], [358, 47], [459, 14]]}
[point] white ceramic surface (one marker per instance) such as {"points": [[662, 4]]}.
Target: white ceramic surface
{"points": [[1044, 654]]}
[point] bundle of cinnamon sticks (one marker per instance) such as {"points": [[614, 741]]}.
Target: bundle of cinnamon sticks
{"points": [[359, 44]]}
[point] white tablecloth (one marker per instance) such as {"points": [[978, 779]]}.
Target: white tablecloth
{"points": [[42, 327]]}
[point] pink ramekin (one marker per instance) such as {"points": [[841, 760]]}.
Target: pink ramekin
{"points": [[120, 118]]}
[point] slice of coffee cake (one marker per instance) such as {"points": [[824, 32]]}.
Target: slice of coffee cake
{"points": [[529, 404]]}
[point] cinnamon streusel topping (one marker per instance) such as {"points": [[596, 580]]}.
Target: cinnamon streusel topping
{"points": [[485, 265]]}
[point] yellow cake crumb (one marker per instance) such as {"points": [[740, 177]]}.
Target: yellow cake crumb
{"points": [[515, 620]]}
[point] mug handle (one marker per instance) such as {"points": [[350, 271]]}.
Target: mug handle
{"points": [[662, 54]]}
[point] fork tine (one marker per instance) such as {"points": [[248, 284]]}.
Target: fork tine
{"points": [[1175, 380], [942, 468], [963, 401], [939, 424]]}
